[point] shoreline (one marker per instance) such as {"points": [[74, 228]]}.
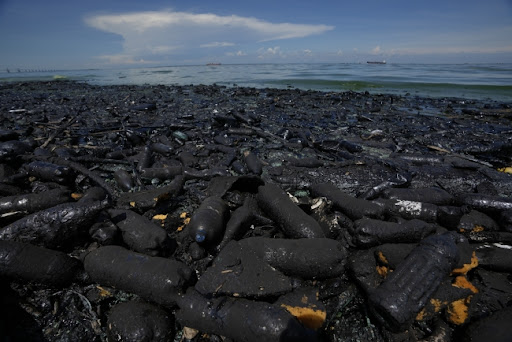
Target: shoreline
{"points": [[477, 82], [463, 92], [228, 142]]}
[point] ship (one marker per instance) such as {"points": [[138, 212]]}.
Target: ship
{"points": [[376, 62]]}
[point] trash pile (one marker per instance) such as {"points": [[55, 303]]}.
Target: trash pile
{"points": [[209, 213]]}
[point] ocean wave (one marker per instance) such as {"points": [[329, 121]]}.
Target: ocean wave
{"points": [[504, 92]]}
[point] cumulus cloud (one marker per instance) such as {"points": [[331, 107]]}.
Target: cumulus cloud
{"points": [[238, 53], [145, 33], [376, 50], [122, 59], [271, 52], [158, 49], [216, 44]]}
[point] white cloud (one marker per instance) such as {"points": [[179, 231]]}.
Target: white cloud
{"points": [[376, 50], [161, 49], [122, 59], [270, 52], [216, 44], [239, 53], [273, 51], [145, 33]]}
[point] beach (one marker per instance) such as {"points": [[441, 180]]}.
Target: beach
{"points": [[478, 81], [351, 162]]}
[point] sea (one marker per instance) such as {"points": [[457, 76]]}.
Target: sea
{"points": [[467, 81]]}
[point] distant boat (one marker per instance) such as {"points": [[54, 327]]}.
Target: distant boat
{"points": [[212, 63], [376, 62]]}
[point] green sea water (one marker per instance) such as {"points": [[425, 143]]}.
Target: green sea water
{"points": [[470, 81]]}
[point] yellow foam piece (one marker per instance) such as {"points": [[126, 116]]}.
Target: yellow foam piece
{"points": [[76, 196], [382, 258], [382, 271], [467, 267], [507, 169], [160, 217], [478, 229], [308, 316], [421, 315], [104, 292], [463, 282], [458, 311], [438, 305]]}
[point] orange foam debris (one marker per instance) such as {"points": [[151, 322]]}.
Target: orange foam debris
{"points": [[458, 311], [467, 267], [310, 317]]}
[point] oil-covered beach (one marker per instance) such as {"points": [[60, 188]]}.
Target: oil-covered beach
{"points": [[152, 212], [478, 81]]}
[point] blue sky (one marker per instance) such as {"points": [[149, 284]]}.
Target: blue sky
{"points": [[101, 33]]}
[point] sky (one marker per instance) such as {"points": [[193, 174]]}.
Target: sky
{"points": [[71, 34]]}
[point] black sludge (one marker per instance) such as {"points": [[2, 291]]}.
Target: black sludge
{"points": [[405, 291], [124, 179], [140, 234], [12, 149], [208, 222], [429, 195], [162, 149], [239, 221], [353, 207], [161, 173], [485, 203], [93, 194], [139, 321], [296, 138], [146, 199], [55, 226], [241, 320], [369, 232], [241, 272], [496, 258], [397, 180], [49, 171], [156, 279], [294, 222], [304, 258], [262, 267], [23, 261], [253, 163], [506, 220], [30, 203], [410, 209], [495, 327]]}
